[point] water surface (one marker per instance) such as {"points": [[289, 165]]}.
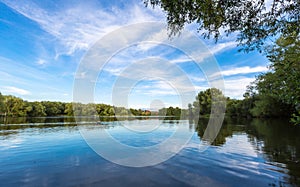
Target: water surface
{"points": [[52, 152]]}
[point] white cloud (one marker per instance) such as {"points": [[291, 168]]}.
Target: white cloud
{"points": [[181, 59], [161, 92], [235, 88], [81, 25], [220, 47], [41, 62], [155, 88], [197, 79], [11, 142], [202, 87], [244, 70], [14, 90], [224, 42], [241, 71], [164, 73]]}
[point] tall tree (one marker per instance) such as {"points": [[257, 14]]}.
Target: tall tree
{"points": [[285, 59], [279, 89]]}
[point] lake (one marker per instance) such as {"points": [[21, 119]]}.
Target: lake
{"points": [[52, 152]]}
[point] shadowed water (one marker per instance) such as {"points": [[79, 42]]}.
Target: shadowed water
{"points": [[51, 152]]}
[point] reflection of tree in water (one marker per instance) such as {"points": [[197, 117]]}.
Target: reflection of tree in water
{"points": [[26, 120], [226, 130], [277, 139], [14, 125], [281, 143]]}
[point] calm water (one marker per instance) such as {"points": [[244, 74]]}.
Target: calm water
{"points": [[51, 152]]}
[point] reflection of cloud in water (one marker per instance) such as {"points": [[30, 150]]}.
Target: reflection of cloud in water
{"points": [[238, 144], [12, 142]]}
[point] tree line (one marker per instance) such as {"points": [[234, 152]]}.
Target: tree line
{"points": [[254, 105], [16, 107]]}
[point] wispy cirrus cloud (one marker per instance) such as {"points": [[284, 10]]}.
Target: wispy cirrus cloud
{"points": [[222, 46], [14, 90], [211, 50], [81, 24], [22, 80], [242, 70]]}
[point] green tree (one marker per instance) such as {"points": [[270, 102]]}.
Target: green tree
{"points": [[170, 111], [107, 110], [177, 111], [232, 109], [88, 109], [53, 108], [285, 59], [121, 111], [35, 109], [14, 106], [2, 105], [162, 112], [69, 109], [268, 106], [206, 99], [252, 20], [278, 91]]}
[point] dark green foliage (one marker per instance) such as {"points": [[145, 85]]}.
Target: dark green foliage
{"points": [[105, 110], [268, 106], [295, 118], [53, 108], [278, 91], [139, 112], [244, 106], [285, 59], [35, 109], [170, 111], [232, 107]]}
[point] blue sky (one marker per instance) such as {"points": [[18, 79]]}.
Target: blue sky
{"points": [[43, 42]]}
